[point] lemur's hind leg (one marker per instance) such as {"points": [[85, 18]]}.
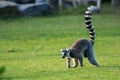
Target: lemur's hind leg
{"points": [[85, 54], [75, 61], [80, 58], [91, 57]]}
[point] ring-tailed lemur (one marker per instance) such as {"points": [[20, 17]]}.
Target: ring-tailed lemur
{"points": [[83, 46]]}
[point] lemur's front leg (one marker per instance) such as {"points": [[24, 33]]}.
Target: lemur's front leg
{"points": [[68, 62], [75, 61]]}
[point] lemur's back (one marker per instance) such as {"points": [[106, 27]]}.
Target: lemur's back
{"points": [[81, 44]]}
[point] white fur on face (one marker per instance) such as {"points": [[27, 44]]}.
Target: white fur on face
{"points": [[63, 53], [67, 54]]}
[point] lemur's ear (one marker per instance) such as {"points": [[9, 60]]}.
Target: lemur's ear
{"points": [[61, 50]]}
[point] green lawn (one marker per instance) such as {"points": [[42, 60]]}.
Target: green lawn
{"points": [[30, 48]]}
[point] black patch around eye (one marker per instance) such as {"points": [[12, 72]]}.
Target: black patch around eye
{"points": [[65, 54]]}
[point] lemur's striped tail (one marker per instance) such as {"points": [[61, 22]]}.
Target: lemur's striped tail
{"points": [[88, 21]]}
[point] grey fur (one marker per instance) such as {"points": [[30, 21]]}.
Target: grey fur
{"points": [[83, 46], [77, 50]]}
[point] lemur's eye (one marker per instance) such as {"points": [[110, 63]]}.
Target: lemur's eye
{"points": [[65, 53]]}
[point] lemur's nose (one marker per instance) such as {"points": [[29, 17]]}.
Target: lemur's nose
{"points": [[63, 56]]}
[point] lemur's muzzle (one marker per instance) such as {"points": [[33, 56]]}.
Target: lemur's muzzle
{"points": [[63, 56]]}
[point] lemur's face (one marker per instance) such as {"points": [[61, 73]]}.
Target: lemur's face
{"points": [[65, 53]]}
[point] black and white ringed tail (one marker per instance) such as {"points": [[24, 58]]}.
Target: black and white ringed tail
{"points": [[88, 22]]}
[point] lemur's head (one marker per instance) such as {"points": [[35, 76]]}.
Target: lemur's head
{"points": [[65, 53]]}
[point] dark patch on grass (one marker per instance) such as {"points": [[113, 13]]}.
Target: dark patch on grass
{"points": [[2, 70], [9, 51], [14, 50]]}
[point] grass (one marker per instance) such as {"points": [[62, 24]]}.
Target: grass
{"points": [[30, 48]]}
